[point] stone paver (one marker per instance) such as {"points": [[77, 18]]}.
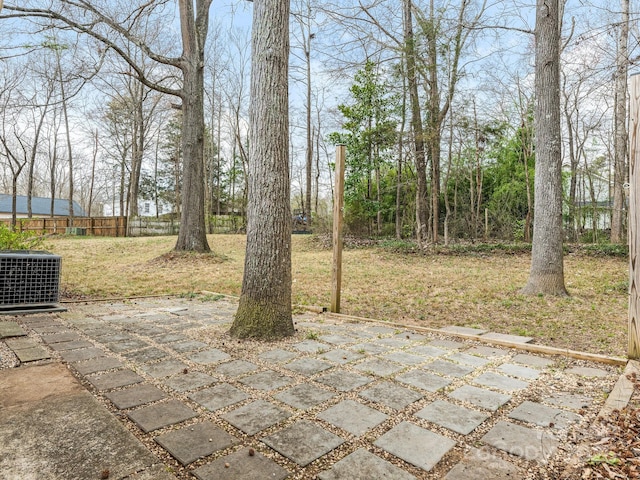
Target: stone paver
{"points": [[507, 338], [379, 329], [119, 378], [423, 380], [480, 397], [184, 382], [161, 415], [427, 351], [416, 445], [391, 394], [370, 348], [393, 342], [569, 400], [312, 346], [544, 416], [588, 372], [362, 465], [149, 330], [126, 345], [413, 336], [485, 351], [524, 442], [479, 464], [277, 356], [20, 343], [11, 329], [212, 355], [378, 367], [170, 338], [32, 354], [308, 366], [188, 444], [464, 330], [60, 337], [466, 359], [188, 346], [164, 368], [235, 368], [62, 346], [219, 396], [448, 369], [98, 364], [135, 396], [500, 382], [446, 343], [353, 417], [27, 349], [344, 381], [256, 416], [82, 354], [404, 358], [267, 381], [519, 371], [242, 465], [146, 355], [303, 442], [304, 396], [454, 417], [336, 339], [341, 356], [532, 360]]}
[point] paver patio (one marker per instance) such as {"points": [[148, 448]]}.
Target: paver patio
{"points": [[364, 401]]}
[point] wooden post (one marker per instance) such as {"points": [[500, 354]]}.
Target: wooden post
{"points": [[633, 351], [338, 203]]}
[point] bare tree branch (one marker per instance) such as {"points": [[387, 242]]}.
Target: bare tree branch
{"points": [[89, 29]]}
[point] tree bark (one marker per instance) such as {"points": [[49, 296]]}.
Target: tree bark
{"points": [[416, 127], [547, 273], [264, 310], [193, 233], [620, 154], [309, 163]]}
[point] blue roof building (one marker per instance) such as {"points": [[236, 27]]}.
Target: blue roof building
{"points": [[40, 207]]}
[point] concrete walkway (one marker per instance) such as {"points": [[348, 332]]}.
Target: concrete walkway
{"points": [[155, 389]]}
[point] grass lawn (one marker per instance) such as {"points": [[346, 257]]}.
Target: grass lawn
{"points": [[475, 290]]}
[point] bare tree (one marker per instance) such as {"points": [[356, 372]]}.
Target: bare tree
{"points": [[264, 310], [620, 116], [547, 270], [117, 31]]}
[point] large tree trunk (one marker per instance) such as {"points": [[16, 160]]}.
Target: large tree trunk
{"points": [[547, 274], [137, 147], [264, 310], [620, 155], [416, 127], [309, 164], [193, 233]]}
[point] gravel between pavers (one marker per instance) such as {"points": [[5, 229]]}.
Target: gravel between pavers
{"points": [[209, 322]]}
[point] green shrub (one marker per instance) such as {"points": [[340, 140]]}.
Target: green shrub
{"points": [[607, 249], [14, 240]]}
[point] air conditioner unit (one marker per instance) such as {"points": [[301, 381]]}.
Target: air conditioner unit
{"points": [[75, 231], [29, 280]]}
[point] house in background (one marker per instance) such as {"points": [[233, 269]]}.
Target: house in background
{"points": [[146, 208], [40, 207]]}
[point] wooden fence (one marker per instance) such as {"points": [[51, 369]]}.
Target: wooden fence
{"points": [[96, 226], [120, 226]]}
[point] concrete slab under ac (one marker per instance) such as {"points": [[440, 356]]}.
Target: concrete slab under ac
{"points": [[65, 432]]}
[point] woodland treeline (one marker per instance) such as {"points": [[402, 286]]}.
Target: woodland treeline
{"points": [[434, 100]]}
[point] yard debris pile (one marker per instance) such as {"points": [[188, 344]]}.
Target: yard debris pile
{"points": [[616, 453]]}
